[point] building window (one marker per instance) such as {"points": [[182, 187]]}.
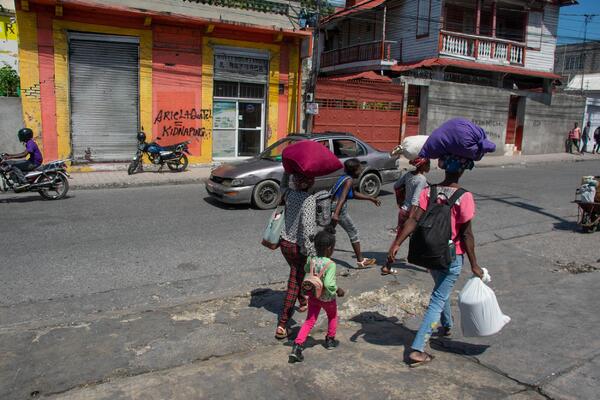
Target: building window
{"points": [[423, 17], [574, 62]]}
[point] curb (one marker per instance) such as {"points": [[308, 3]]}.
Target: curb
{"points": [[125, 185], [201, 180]]}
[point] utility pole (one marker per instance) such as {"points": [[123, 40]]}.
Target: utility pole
{"points": [[314, 71], [588, 19]]}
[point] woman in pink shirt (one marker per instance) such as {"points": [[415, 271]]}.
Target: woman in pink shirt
{"points": [[574, 135], [461, 215]]}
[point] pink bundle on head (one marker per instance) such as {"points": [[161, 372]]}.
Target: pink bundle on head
{"points": [[309, 158]]}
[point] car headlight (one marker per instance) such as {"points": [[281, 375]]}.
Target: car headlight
{"points": [[237, 182]]}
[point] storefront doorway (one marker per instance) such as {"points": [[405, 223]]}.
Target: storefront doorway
{"points": [[239, 104]]}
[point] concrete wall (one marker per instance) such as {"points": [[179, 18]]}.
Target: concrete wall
{"points": [[11, 117], [486, 106], [548, 121]]}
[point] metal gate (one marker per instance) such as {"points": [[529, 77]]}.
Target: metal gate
{"points": [[370, 110], [104, 96]]}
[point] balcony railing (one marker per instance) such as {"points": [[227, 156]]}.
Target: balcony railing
{"points": [[482, 48], [377, 50]]}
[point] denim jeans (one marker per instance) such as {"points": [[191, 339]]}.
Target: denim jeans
{"points": [[439, 309], [20, 167]]}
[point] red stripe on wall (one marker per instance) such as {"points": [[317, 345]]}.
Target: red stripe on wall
{"points": [[48, 103]]}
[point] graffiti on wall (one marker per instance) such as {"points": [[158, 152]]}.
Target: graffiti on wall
{"points": [[182, 123], [491, 127]]}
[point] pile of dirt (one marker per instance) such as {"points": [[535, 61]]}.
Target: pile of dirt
{"points": [[574, 268], [385, 303]]}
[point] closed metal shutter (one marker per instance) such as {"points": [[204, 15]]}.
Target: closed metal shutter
{"points": [[104, 91]]}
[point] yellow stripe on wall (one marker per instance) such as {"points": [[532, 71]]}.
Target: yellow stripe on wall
{"points": [[30, 73], [293, 88]]}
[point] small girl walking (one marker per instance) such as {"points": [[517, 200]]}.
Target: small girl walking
{"points": [[324, 244]]}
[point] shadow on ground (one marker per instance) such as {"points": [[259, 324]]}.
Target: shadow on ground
{"points": [[213, 202], [28, 199], [380, 330]]}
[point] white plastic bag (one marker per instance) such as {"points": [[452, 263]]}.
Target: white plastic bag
{"points": [[412, 145], [480, 314]]}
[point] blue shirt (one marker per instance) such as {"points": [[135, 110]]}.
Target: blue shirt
{"points": [[340, 187]]}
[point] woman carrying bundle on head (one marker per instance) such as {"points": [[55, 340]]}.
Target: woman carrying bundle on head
{"points": [[408, 191]]}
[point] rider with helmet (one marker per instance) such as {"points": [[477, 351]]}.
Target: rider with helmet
{"points": [[31, 149]]}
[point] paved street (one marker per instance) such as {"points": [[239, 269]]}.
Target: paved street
{"points": [[109, 285]]}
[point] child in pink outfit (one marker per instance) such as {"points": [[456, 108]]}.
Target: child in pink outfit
{"points": [[324, 244]]}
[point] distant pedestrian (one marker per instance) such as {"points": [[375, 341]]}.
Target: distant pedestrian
{"points": [[585, 137], [343, 190], [574, 135], [462, 213], [408, 191], [324, 267], [596, 148], [296, 244]]}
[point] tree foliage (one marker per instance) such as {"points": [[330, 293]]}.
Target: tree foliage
{"points": [[9, 81]]}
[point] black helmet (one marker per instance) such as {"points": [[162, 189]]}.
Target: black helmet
{"points": [[25, 134], [141, 136]]}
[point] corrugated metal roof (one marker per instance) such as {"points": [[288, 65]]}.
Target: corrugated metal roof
{"points": [[184, 11], [367, 76], [590, 82], [449, 62], [364, 5]]}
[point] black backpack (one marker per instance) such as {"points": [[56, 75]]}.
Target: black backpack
{"points": [[431, 243]]}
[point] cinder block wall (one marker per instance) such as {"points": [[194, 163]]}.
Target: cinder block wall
{"points": [[11, 117], [486, 106], [548, 121]]}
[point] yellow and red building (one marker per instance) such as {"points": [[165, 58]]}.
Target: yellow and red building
{"points": [[223, 76]]}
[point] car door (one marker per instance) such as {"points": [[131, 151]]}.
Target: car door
{"points": [[347, 148]]}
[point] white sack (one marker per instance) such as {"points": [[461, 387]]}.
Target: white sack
{"points": [[412, 145], [588, 193], [480, 314]]}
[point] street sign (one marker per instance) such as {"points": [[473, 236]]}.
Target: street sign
{"points": [[312, 108]]}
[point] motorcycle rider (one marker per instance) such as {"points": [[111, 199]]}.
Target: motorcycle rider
{"points": [[34, 160]]}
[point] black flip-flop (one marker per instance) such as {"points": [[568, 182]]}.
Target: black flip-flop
{"points": [[415, 364], [283, 337]]}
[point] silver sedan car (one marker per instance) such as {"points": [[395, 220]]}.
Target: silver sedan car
{"points": [[257, 180]]}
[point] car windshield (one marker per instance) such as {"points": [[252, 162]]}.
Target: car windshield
{"points": [[274, 151]]}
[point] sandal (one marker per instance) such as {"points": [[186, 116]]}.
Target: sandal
{"points": [[414, 363], [365, 263], [281, 333], [390, 271]]}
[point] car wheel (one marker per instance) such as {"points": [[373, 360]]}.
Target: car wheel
{"points": [[370, 184], [266, 195]]}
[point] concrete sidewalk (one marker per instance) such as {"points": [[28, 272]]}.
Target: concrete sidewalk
{"points": [[115, 176]]}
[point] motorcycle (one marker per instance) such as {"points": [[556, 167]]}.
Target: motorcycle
{"points": [[49, 180], [174, 156]]}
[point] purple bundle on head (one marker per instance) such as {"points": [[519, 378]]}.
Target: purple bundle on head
{"points": [[458, 137]]}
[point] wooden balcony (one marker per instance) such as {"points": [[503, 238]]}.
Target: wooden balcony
{"points": [[372, 51], [483, 48]]}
